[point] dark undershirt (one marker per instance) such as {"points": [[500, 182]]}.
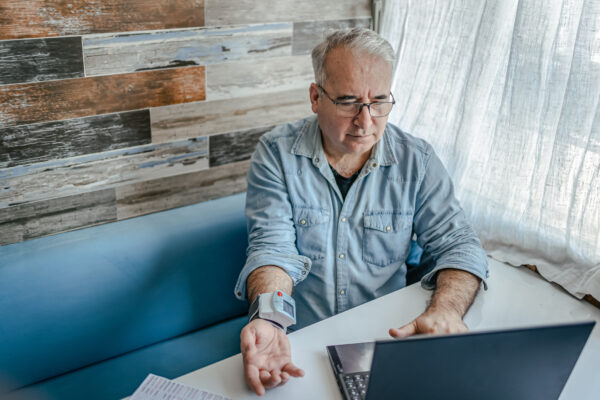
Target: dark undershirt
{"points": [[343, 182]]}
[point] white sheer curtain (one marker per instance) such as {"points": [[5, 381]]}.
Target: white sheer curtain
{"points": [[508, 94]]}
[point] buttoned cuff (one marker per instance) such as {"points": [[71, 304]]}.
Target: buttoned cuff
{"points": [[296, 266]]}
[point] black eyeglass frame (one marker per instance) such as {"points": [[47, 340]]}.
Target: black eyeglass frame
{"points": [[361, 104]]}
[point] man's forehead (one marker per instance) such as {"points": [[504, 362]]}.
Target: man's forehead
{"points": [[349, 75]]}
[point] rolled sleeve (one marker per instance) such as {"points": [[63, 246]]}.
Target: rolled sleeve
{"points": [[442, 227], [296, 266], [271, 231]]}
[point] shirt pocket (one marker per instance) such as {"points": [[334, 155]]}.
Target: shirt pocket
{"points": [[311, 231], [386, 236]]}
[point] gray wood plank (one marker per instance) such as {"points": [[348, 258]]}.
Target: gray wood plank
{"points": [[26, 221], [212, 117], [120, 53], [78, 175], [40, 60], [235, 146], [249, 78], [308, 34], [220, 12], [27, 144], [181, 190]]}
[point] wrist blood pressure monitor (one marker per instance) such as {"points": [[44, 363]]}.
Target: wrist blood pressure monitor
{"points": [[278, 308]]}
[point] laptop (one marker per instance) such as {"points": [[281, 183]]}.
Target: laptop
{"points": [[516, 364]]}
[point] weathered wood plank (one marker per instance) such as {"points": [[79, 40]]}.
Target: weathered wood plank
{"points": [[308, 34], [223, 12], [38, 18], [27, 144], [212, 117], [101, 171], [110, 54], [166, 193], [250, 78], [236, 146], [72, 98], [27, 221], [38, 60]]}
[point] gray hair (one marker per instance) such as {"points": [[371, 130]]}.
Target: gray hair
{"points": [[361, 39]]}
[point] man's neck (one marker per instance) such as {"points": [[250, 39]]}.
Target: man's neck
{"points": [[346, 164]]}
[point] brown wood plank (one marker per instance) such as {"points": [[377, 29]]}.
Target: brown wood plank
{"points": [[73, 98], [39, 18], [221, 116], [166, 193], [223, 12], [27, 221]]}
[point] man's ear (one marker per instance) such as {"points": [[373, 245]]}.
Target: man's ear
{"points": [[314, 97]]}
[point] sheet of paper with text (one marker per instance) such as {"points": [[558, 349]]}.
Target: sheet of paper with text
{"points": [[156, 387]]}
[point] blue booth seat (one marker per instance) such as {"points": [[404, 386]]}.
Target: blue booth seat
{"points": [[88, 314]]}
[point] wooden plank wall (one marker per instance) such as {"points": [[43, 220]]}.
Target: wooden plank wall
{"points": [[116, 109]]}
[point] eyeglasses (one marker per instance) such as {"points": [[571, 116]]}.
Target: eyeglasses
{"points": [[376, 109]]}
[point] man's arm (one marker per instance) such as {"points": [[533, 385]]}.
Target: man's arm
{"points": [[266, 349], [267, 279], [454, 294]]}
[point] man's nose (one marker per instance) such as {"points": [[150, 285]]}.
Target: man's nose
{"points": [[363, 119]]}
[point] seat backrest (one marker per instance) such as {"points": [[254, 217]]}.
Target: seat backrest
{"points": [[73, 299]]}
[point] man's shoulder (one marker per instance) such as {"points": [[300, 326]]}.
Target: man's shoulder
{"points": [[403, 142]]}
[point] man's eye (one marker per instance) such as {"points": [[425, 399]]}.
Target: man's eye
{"points": [[347, 106]]}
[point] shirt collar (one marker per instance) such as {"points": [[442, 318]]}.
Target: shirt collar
{"points": [[308, 144]]}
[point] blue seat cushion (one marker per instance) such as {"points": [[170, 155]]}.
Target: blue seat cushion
{"points": [[119, 377]]}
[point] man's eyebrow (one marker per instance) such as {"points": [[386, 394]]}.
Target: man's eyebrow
{"points": [[346, 97]]}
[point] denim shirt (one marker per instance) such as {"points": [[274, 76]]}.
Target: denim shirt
{"points": [[342, 253]]}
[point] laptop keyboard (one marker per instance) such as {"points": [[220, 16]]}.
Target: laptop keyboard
{"points": [[356, 385]]}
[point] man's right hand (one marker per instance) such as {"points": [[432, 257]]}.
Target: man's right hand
{"points": [[267, 356]]}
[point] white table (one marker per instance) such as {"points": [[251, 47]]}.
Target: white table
{"points": [[516, 297]]}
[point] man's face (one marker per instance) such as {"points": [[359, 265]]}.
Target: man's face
{"points": [[351, 77]]}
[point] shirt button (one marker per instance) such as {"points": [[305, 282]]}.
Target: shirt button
{"points": [[303, 221], [343, 219], [317, 160], [374, 165], [239, 294], [303, 272], [342, 292], [388, 228], [342, 255]]}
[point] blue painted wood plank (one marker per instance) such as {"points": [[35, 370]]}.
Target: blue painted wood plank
{"points": [[119, 53]]}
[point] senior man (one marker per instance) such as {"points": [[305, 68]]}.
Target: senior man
{"points": [[333, 201]]}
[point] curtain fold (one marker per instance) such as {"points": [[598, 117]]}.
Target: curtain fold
{"points": [[508, 94]]}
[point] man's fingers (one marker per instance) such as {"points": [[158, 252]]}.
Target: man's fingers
{"points": [[253, 380], [293, 370], [284, 378], [406, 330], [270, 379]]}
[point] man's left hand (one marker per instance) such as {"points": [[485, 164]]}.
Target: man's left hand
{"points": [[454, 294], [431, 322]]}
